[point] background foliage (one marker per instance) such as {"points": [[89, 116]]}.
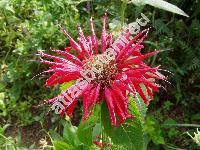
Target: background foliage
{"points": [[28, 26]]}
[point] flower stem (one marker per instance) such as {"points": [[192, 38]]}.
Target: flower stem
{"points": [[123, 8]]}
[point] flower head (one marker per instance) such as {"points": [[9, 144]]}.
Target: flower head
{"points": [[103, 72]]}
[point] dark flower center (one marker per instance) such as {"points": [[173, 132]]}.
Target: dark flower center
{"points": [[104, 70]]}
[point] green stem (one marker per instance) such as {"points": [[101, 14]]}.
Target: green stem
{"points": [[6, 138], [123, 8], [183, 125]]}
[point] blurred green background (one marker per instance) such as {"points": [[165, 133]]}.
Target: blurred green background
{"points": [[28, 26]]}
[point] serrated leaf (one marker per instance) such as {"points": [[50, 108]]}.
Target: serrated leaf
{"points": [[137, 105], [129, 134], [162, 5]]}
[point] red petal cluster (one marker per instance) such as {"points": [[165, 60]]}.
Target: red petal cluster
{"points": [[132, 73]]}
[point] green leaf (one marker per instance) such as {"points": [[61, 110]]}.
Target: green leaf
{"points": [[70, 133], [196, 116], [10, 146], [162, 5], [60, 145], [5, 5], [97, 130], [129, 134], [2, 104], [66, 85], [55, 136], [91, 128], [137, 106], [154, 131], [84, 131], [170, 121]]}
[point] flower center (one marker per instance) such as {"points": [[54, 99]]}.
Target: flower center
{"points": [[104, 71]]}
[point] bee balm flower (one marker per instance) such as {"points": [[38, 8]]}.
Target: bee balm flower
{"points": [[103, 71]]}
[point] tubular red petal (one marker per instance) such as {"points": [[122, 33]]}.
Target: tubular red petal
{"points": [[122, 100], [121, 114], [57, 59], [141, 35], [145, 82], [70, 101], [50, 63], [69, 56], [109, 39], [150, 54], [91, 102], [93, 37], [52, 80], [139, 71], [59, 78], [97, 93], [138, 59], [89, 40], [71, 108], [150, 93], [67, 49], [83, 42], [135, 47], [86, 102], [73, 44], [103, 34], [140, 92], [109, 102]]}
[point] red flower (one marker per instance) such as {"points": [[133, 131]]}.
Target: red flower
{"points": [[115, 80]]}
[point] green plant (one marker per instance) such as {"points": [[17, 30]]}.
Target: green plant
{"points": [[167, 105], [28, 26], [9, 142]]}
